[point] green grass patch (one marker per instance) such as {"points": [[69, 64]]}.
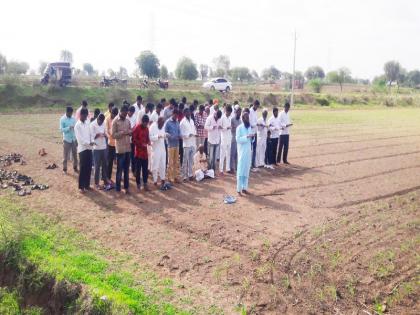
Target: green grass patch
{"points": [[382, 264], [10, 304], [64, 254]]}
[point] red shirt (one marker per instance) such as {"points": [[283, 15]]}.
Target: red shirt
{"points": [[140, 138]]}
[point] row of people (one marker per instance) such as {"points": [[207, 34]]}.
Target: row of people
{"points": [[150, 139]]}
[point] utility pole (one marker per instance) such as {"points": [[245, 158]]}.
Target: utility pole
{"points": [[294, 71]]}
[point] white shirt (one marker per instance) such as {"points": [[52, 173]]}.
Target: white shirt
{"points": [[100, 143], [155, 116], [157, 138], [274, 125], [212, 110], [253, 118], [132, 120], [138, 108], [226, 132], [83, 136], [284, 121], [187, 128], [212, 127], [142, 112], [262, 130]]}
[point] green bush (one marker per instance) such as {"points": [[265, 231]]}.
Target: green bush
{"points": [[316, 85], [323, 101]]}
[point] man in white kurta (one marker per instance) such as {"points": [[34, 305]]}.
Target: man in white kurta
{"points": [[225, 140], [262, 129], [213, 126], [158, 112], [253, 118], [188, 134], [201, 170], [157, 138]]}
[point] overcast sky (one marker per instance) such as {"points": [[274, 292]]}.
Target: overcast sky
{"points": [[359, 34]]}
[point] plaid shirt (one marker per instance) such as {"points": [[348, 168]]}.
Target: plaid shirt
{"points": [[200, 121]]}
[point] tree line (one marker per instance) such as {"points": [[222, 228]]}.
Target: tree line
{"points": [[148, 65]]}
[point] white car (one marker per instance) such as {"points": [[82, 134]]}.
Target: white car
{"points": [[218, 84]]}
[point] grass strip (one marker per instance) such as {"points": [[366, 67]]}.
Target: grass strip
{"points": [[66, 255]]}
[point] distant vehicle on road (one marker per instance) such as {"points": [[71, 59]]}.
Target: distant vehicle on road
{"points": [[218, 84], [107, 82], [57, 73], [146, 84]]}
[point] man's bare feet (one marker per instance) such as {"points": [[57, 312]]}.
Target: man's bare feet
{"points": [[82, 191], [240, 194], [246, 192], [126, 191]]}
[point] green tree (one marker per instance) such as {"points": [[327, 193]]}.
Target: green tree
{"points": [[316, 85], [314, 72], [88, 68], [3, 64], [186, 69], [164, 74], [204, 71], [240, 74], [413, 78], [271, 73], [222, 65], [148, 64], [255, 75], [402, 77], [340, 76], [42, 67], [219, 73], [15, 67], [392, 71], [66, 56]]}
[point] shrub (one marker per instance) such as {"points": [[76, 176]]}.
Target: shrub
{"points": [[271, 99], [323, 101], [316, 85], [389, 102]]}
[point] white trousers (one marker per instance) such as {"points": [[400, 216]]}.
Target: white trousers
{"points": [[199, 174], [149, 157], [224, 154], [261, 148], [158, 164]]}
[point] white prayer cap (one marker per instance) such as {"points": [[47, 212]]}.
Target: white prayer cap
{"points": [[236, 107]]}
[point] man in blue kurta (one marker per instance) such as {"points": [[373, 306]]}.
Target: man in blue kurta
{"points": [[244, 138]]}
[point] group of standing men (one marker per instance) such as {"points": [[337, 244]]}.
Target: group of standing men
{"points": [[173, 141]]}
